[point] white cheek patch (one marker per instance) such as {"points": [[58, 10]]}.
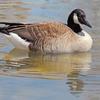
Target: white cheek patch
{"points": [[75, 19]]}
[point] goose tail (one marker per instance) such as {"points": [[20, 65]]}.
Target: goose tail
{"points": [[5, 26]]}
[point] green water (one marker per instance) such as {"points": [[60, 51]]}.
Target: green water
{"points": [[25, 76]]}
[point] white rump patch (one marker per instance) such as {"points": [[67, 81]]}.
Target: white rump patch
{"points": [[17, 41]]}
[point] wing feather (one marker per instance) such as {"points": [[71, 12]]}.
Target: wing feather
{"points": [[36, 31], [40, 33]]}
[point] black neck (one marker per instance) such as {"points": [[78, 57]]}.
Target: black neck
{"points": [[75, 27]]}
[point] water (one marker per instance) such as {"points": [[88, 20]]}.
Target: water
{"points": [[26, 76]]}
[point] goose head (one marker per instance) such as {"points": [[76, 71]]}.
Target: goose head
{"points": [[76, 19]]}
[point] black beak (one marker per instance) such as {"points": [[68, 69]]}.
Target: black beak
{"points": [[85, 22]]}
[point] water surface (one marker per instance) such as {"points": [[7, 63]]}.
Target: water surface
{"points": [[28, 76]]}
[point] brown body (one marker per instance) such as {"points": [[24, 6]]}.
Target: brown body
{"points": [[50, 37]]}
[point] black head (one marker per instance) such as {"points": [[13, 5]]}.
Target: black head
{"points": [[76, 19]]}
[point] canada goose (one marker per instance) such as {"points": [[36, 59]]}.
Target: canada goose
{"points": [[50, 37]]}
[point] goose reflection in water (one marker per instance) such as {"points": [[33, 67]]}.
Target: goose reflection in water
{"points": [[63, 66]]}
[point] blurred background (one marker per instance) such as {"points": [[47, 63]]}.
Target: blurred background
{"points": [[28, 76]]}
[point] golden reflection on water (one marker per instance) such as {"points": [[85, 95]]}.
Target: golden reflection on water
{"points": [[64, 66], [46, 66]]}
